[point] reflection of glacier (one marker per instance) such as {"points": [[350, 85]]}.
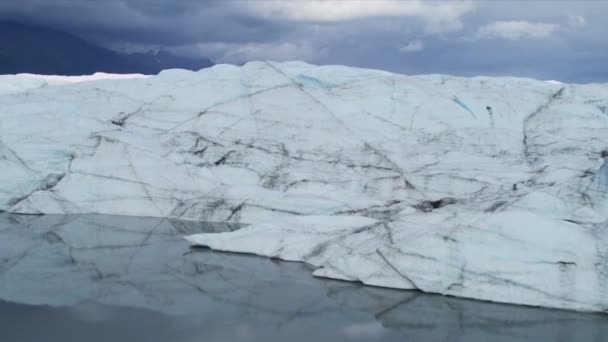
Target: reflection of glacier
{"points": [[143, 263]]}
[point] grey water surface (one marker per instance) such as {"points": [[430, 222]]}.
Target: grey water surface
{"points": [[107, 278]]}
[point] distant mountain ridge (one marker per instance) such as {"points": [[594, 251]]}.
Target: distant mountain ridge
{"points": [[39, 50]]}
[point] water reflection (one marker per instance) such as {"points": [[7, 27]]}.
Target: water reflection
{"points": [[100, 278]]}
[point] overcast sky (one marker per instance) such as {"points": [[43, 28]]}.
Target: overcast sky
{"points": [[563, 40]]}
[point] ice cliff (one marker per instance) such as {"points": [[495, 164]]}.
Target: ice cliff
{"points": [[487, 188]]}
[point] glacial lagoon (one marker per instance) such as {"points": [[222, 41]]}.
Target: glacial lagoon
{"points": [[110, 278]]}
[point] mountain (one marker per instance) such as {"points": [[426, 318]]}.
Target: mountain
{"points": [[37, 50]]}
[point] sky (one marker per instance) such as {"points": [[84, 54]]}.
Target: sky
{"points": [[560, 40]]}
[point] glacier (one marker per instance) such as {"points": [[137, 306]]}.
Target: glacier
{"points": [[490, 188]]}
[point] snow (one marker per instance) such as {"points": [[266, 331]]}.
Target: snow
{"points": [[12, 84], [83, 78], [487, 188], [87, 78]]}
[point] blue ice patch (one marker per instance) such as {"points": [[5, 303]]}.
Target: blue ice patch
{"points": [[464, 106], [311, 82]]}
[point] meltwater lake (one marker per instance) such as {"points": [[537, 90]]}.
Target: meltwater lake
{"points": [[108, 278]]}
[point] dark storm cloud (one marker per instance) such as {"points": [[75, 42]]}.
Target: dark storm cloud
{"points": [[560, 39], [162, 22]]}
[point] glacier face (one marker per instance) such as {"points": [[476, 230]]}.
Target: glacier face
{"points": [[487, 188]]}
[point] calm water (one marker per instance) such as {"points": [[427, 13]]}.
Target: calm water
{"points": [[105, 278]]}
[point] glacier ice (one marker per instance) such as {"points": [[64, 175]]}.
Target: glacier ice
{"points": [[487, 188]]}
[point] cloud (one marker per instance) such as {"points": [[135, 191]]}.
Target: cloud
{"points": [[515, 30], [577, 21], [162, 22], [239, 53], [413, 46], [438, 16], [283, 51]]}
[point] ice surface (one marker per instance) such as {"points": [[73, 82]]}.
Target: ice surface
{"points": [[488, 188]]}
